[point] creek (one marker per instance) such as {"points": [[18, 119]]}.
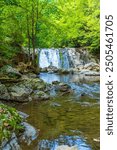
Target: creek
{"points": [[65, 120], [72, 119]]}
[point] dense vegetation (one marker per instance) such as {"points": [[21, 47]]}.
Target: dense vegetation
{"points": [[48, 23], [9, 122]]}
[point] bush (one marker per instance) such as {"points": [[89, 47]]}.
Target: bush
{"points": [[9, 122]]}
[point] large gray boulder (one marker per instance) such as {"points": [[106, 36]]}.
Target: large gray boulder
{"points": [[28, 89], [34, 83], [62, 87], [40, 95], [19, 92], [30, 133], [12, 144], [10, 72]]}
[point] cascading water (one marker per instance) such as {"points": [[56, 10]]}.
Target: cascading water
{"points": [[63, 58], [54, 57]]}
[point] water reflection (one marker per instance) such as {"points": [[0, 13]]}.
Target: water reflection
{"points": [[77, 83], [63, 120]]}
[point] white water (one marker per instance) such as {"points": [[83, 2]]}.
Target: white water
{"points": [[53, 57]]}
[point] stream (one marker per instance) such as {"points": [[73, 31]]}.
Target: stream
{"points": [[65, 120]]}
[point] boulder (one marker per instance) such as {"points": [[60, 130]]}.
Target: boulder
{"points": [[27, 68], [31, 75], [10, 72], [40, 95], [63, 88], [52, 69], [63, 71], [92, 66], [55, 82], [24, 90], [29, 134], [44, 69], [19, 92], [12, 144], [23, 115], [35, 84]]}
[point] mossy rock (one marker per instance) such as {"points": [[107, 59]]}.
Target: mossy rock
{"points": [[10, 71]]}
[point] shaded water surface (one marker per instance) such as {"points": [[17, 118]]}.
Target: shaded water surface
{"points": [[69, 120]]}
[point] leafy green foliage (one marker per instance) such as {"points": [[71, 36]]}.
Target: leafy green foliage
{"points": [[43, 23], [9, 122]]}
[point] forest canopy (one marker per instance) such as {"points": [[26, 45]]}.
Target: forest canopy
{"points": [[48, 23]]}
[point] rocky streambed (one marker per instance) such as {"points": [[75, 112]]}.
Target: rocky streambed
{"points": [[69, 120]]}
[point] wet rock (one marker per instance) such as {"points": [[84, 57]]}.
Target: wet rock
{"points": [[52, 69], [66, 147], [29, 134], [63, 71], [63, 87], [10, 72], [34, 84], [12, 144], [4, 92], [83, 94], [23, 115], [64, 142], [55, 82], [89, 73], [24, 90], [19, 92], [44, 69], [40, 95], [92, 66], [31, 75]]}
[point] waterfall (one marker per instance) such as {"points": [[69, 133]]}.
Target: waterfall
{"points": [[63, 58], [54, 57]]}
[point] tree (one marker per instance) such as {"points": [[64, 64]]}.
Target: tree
{"points": [[48, 23]]}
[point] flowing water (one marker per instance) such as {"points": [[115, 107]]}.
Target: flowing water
{"points": [[65, 120], [52, 57]]}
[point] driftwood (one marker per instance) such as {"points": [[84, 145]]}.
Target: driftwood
{"points": [[7, 80]]}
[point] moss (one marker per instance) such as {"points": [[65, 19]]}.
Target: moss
{"points": [[9, 122]]}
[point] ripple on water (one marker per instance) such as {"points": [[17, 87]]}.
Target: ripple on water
{"points": [[77, 141], [80, 87]]}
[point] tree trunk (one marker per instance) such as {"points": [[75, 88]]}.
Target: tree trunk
{"points": [[28, 36]]}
